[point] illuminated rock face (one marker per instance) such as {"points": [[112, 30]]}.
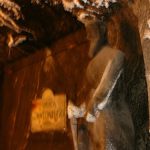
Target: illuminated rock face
{"points": [[8, 9], [81, 4]]}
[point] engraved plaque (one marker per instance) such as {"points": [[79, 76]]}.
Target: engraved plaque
{"points": [[49, 112]]}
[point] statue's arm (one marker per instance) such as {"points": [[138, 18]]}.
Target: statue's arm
{"points": [[103, 91]]}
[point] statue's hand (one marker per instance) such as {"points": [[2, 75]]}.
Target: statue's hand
{"points": [[92, 113]]}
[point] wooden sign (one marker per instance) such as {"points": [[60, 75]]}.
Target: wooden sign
{"points": [[49, 112]]}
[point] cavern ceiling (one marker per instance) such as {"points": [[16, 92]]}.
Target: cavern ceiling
{"points": [[26, 27]]}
